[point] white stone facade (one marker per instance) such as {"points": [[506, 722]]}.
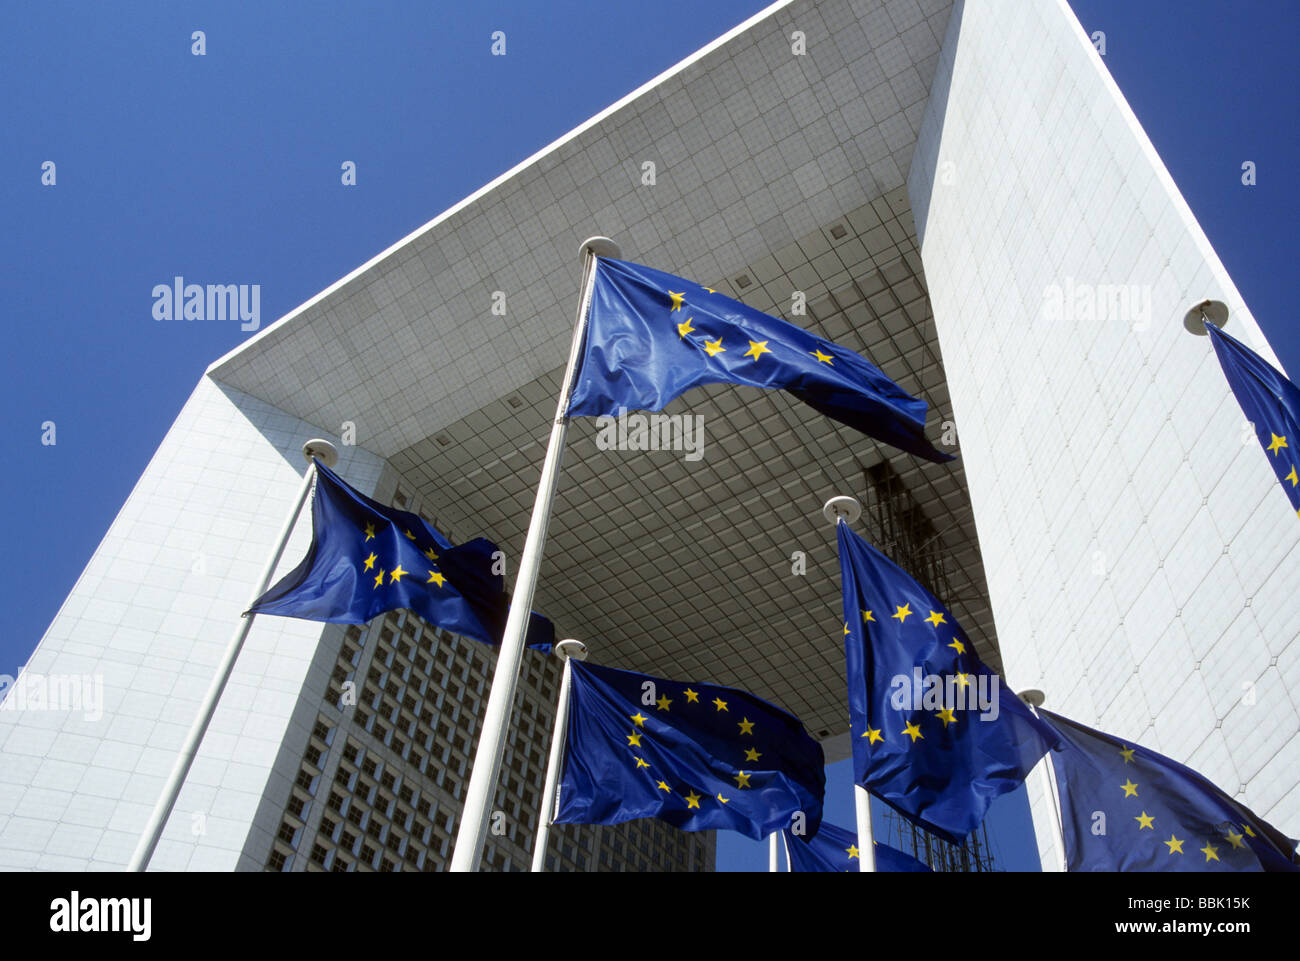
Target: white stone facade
{"points": [[1140, 554]]}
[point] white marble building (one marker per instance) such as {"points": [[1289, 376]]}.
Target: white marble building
{"points": [[947, 209]]}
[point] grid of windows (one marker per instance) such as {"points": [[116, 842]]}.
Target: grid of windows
{"points": [[297, 809]]}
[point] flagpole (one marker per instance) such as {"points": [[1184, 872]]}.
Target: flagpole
{"points": [[569, 649], [866, 841], [313, 450], [846, 510], [771, 853], [789, 865], [1035, 699], [491, 743]]}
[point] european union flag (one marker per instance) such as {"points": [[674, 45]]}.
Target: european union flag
{"points": [[936, 734], [366, 558], [652, 336], [834, 848], [1124, 808], [698, 756], [1269, 401]]}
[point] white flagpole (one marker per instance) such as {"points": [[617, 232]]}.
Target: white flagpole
{"points": [[550, 794], [846, 510], [866, 843], [771, 853], [492, 737], [1035, 698], [789, 865], [313, 450]]}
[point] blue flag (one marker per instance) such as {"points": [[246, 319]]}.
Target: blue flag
{"points": [[834, 848], [366, 559], [1124, 808], [936, 734], [652, 336], [1270, 402], [698, 756]]}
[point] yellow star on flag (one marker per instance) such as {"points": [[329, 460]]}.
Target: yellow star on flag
{"points": [[634, 739], [693, 800], [435, 578], [851, 851], [1234, 838], [720, 703], [379, 578], [742, 779], [935, 618], [867, 617], [1277, 444], [757, 348], [691, 696], [370, 561], [724, 800], [1292, 477], [409, 535], [638, 720], [1211, 852], [873, 735], [430, 554], [1128, 754], [663, 702], [684, 328], [1175, 845], [752, 755], [1144, 820], [664, 787], [746, 726], [714, 347], [958, 646], [396, 574], [946, 716], [913, 731], [1129, 788], [640, 763], [677, 300], [370, 532], [822, 358], [901, 614]]}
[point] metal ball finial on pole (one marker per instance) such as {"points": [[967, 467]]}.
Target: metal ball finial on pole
{"points": [[1207, 311], [842, 508], [322, 450], [1033, 697]]}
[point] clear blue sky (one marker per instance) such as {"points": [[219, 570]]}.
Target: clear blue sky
{"points": [[225, 168]]}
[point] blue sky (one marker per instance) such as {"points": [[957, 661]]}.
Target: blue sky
{"points": [[225, 169]]}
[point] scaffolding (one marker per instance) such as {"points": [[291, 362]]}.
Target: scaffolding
{"points": [[899, 528], [975, 854]]}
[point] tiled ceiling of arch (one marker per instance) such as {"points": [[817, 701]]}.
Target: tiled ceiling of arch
{"points": [[685, 569]]}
